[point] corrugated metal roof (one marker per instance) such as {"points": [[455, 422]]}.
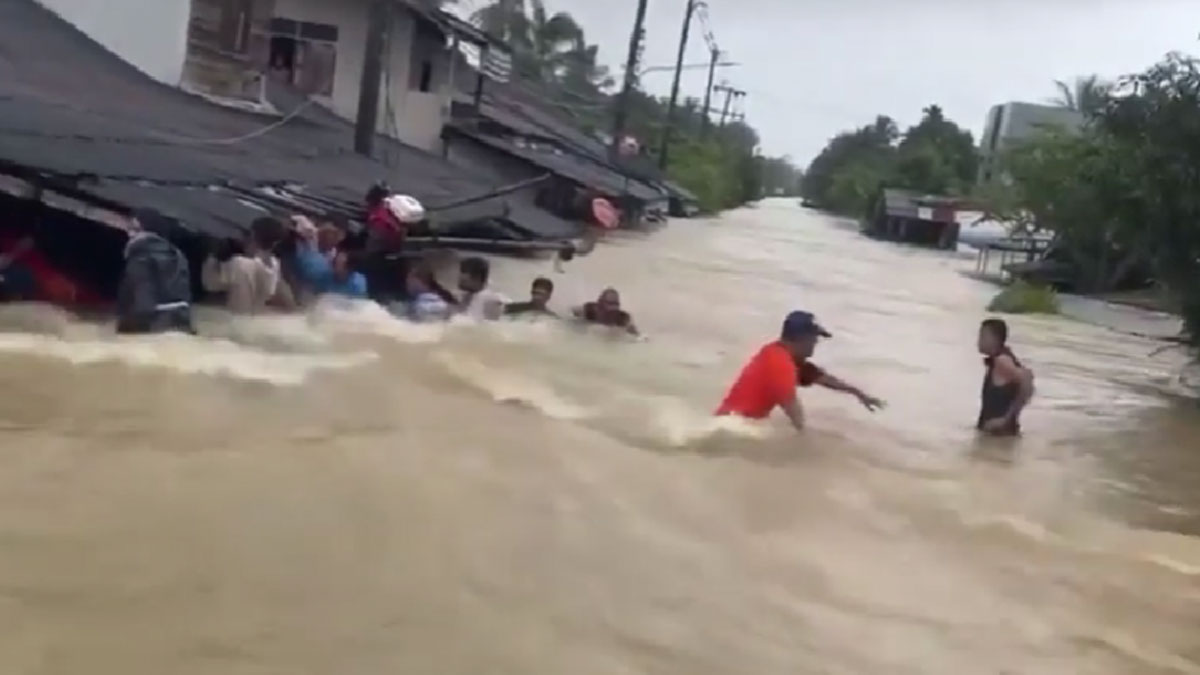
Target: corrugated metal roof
{"points": [[527, 111], [69, 107], [909, 204], [566, 164]]}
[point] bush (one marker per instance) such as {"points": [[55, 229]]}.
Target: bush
{"points": [[1024, 298]]}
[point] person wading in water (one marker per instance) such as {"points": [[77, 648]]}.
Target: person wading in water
{"points": [[1007, 385], [770, 379], [606, 311]]}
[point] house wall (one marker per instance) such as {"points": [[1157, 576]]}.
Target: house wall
{"points": [[412, 116], [116, 24]]}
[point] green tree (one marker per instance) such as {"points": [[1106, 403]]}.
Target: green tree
{"points": [[1125, 191], [549, 48], [867, 154], [936, 156]]}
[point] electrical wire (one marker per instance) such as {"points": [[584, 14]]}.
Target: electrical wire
{"points": [[172, 139]]}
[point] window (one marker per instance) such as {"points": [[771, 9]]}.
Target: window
{"points": [[221, 24], [426, 81], [283, 56], [428, 46], [303, 55]]}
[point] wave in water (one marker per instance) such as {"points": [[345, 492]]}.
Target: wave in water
{"points": [[507, 386], [185, 355]]}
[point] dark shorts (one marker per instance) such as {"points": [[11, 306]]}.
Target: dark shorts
{"points": [[171, 321]]}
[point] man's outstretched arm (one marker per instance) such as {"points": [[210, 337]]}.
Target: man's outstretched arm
{"points": [[835, 383]]}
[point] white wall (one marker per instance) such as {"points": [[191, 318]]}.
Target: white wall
{"points": [[417, 117], [149, 34]]}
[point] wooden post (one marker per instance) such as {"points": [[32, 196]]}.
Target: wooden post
{"points": [[728, 100], [367, 121]]}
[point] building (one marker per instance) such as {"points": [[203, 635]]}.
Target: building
{"points": [[1008, 124], [914, 218], [232, 49], [91, 139]]}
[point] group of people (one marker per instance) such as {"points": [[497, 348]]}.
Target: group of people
{"points": [[282, 266], [286, 265], [770, 379]]}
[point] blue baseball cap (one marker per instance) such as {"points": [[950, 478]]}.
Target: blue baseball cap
{"points": [[802, 324]]}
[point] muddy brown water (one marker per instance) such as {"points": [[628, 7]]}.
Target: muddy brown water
{"points": [[342, 493]]}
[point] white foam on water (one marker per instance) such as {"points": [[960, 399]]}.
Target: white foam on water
{"points": [[1014, 524], [1191, 570], [183, 354], [679, 426], [506, 386], [340, 316]]}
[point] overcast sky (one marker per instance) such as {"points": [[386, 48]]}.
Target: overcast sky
{"points": [[815, 67]]}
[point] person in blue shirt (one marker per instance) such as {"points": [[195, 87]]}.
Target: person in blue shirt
{"points": [[427, 300], [324, 269], [343, 280]]}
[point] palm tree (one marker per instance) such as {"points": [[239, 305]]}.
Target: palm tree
{"points": [[1086, 95], [503, 19], [546, 47]]}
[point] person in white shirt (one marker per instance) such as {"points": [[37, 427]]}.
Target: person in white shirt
{"points": [[478, 302], [250, 277]]}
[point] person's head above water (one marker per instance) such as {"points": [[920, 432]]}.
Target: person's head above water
{"points": [[800, 334], [609, 300], [265, 234], [473, 275], [993, 336], [540, 291], [342, 269], [376, 195]]}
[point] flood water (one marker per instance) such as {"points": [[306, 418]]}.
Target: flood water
{"points": [[345, 494]]}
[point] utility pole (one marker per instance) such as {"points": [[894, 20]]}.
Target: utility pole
{"points": [[683, 39], [728, 99], [367, 120], [712, 70], [730, 93], [620, 119]]}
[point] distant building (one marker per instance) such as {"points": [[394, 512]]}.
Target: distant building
{"points": [[1008, 124], [914, 218]]}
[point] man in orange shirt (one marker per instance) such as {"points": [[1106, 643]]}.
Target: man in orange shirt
{"points": [[771, 377]]}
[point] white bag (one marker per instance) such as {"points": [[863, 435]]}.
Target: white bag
{"points": [[406, 209]]}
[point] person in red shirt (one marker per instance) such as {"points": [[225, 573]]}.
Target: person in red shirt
{"points": [[27, 274], [770, 379], [385, 232]]}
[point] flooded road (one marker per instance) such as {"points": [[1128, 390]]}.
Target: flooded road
{"points": [[347, 494]]}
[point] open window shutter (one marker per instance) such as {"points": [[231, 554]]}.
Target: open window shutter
{"points": [[317, 62]]}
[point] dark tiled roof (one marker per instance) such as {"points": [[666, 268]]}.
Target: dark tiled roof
{"points": [[564, 163], [532, 105], [522, 108], [70, 108]]}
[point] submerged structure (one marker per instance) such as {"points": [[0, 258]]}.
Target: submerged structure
{"points": [[913, 218]]}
